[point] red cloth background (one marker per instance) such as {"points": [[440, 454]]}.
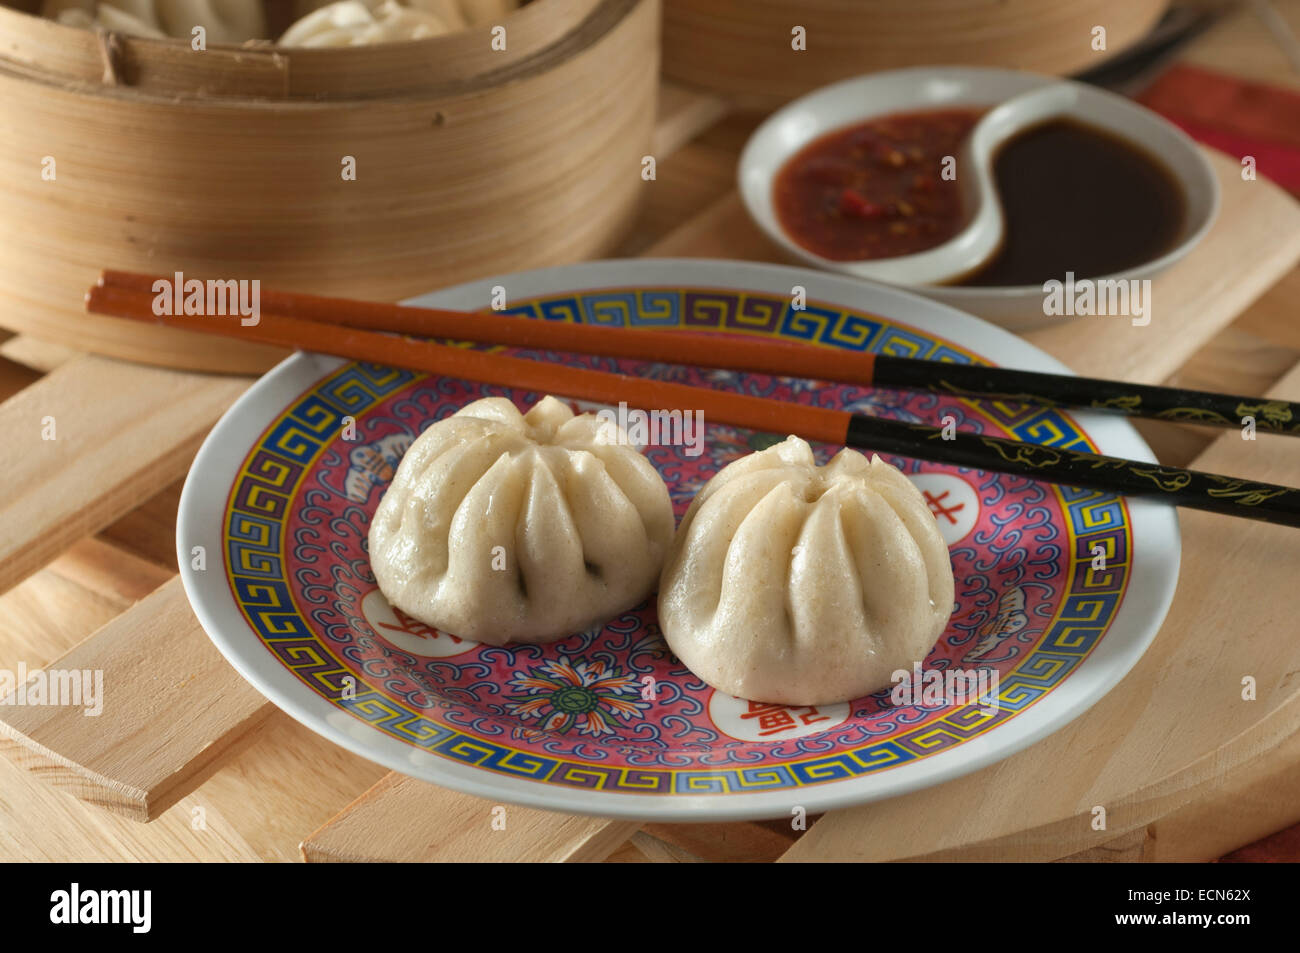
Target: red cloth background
{"points": [[1234, 116]]}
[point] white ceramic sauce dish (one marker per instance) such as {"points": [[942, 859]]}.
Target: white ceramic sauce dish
{"points": [[858, 100]]}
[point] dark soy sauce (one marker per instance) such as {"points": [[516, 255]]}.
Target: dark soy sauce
{"points": [[1082, 200]]}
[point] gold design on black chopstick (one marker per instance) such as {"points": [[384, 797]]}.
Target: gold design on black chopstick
{"points": [[1128, 403], [1166, 479], [1196, 415], [1170, 481], [1039, 400], [1244, 492], [1027, 454], [1276, 412]]}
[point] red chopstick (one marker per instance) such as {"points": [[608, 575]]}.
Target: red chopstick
{"points": [[1205, 491], [765, 356]]}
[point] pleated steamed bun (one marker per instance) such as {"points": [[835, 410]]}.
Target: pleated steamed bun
{"points": [[133, 17], [224, 21], [363, 22], [507, 527], [804, 585]]}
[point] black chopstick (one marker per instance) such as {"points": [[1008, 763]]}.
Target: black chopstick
{"points": [[1089, 393], [1191, 488]]}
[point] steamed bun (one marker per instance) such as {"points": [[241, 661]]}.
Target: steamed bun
{"points": [[507, 527], [804, 585], [133, 17], [456, 14], [354, 23], [224, 21]]}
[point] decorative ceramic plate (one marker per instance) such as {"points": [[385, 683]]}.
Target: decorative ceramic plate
{"points": [[1058, 590]]}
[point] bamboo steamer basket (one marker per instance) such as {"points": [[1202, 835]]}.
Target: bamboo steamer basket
{"points": [[228, 163], [742, 48]]}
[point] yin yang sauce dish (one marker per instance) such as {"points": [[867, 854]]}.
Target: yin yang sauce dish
{"points": [[1076, 198]]}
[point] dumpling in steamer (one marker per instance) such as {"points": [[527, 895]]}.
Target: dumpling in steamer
{"points": [[805, 585], [133, 17], [357, 23], [582, 519], [223, 21]]}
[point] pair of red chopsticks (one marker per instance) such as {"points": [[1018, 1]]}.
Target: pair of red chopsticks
{"points": [[367, 331]]}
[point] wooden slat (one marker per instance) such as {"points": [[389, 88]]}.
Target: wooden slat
{"points": [[109, 572], [755, 841], [14, 377], [123, 432], [1176, 445], [722, 230], [661, 852], [1273, 316], [43, 356], [278, 783], [1129, 848], [682, 115], [52, 611], [41, 619], [628, 853], [41, 823], [730, 135], [401, 819], [1249, 803], [171, 706], [1236, 361], [690, 181], [149, 530], [47, 615], [1176, 727]]}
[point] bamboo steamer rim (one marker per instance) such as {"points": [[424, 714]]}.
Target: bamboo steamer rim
{"points": [[743, 51], [108, 63]]}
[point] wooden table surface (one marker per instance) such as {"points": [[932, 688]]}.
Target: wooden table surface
{"points": [[190, 763]]}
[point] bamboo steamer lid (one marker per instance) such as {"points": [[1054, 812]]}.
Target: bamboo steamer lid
{"points": [[229, 163], [743, 49]]}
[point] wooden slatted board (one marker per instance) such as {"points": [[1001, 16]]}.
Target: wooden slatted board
{"points": [[188, 762]]}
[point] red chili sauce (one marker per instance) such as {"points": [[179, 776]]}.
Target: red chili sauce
{"points": [[875, 190]]}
